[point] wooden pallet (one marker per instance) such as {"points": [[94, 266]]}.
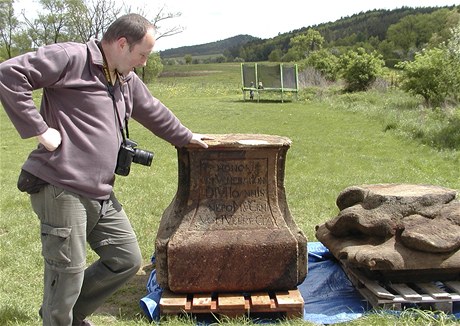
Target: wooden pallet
{"points": [[290, 303], [435, 295]]}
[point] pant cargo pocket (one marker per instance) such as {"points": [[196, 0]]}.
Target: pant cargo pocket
{"points": [[56, 244]]}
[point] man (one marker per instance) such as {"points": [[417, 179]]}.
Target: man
{"points": [[89, 92]]}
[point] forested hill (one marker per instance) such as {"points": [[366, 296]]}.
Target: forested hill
{"points": [[373, 23], [212, 48], [369, 29]]}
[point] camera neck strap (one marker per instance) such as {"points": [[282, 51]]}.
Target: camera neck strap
{"points": [[110, 89]]}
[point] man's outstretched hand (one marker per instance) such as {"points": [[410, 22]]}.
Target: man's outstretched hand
{"points": [[199, 140]]}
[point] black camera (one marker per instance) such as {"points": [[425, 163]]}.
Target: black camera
{"points": [[128, 153]]}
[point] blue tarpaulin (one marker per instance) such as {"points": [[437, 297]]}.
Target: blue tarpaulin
{"points": [[328, 294]]}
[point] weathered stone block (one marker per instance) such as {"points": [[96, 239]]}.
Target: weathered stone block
{"points": [[229, 227], [397, 230]]}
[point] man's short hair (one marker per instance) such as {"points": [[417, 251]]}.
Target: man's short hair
{"points": [[133, 27]]}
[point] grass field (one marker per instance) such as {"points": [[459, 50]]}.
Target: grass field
{"points": [[338, 140]]}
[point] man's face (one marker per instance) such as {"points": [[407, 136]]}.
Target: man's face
{"points": [[137, 56]]}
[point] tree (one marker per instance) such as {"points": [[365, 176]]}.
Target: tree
{"points": [[153, 68], [360, 69], [425, 76], [8, 25], [90, 18], [275, 55], [453, 67], [404, 34], [435, 73], [306, 43], [389, 53], [414, 32], [81, 20], [324, 62], [158, 19], [162, 16], [71, 20], [50, 26]]}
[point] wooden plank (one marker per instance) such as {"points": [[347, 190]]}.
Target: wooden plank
{"points": [[260, 300], [173, 299], [454, 285], [231, 301], [273, 303], [289, 299], [290, 302], [378, 290], [171, 302], [423, 295], [434, 291], [213, 304], [234, 304], [377, 302], [188, 305], [201, 301], [371, 285], [405, 291], [231, 305]]}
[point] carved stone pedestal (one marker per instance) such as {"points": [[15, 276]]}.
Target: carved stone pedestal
{"points": [[229, 227]]}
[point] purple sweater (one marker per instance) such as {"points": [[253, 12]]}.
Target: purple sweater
{"points": [[76, 102]]}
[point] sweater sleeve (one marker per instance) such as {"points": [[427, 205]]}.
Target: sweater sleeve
{"points": [[155, 116], [21, 75]]}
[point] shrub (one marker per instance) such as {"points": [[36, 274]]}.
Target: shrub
{"points": [[188, 59], [429, 75], [435, 73], [360, 69], [153, 68], [324, 62], [275, 55]]}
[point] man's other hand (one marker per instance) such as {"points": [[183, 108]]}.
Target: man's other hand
{"points": [[51, 139]]}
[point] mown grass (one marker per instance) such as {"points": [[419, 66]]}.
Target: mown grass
{"points": [[338, 140]]}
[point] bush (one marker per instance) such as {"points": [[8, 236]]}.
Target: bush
{"points": [[323, 61], [360, 69], [188, 59], [433, 74], [153, 68], [275, 55]]}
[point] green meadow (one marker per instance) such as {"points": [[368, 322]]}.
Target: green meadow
{"points": [[338, 140]]}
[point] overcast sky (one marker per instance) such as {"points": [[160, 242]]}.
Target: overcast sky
{"points": [[207, 21]]}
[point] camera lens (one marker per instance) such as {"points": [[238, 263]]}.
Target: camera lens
{"points": [[142, 157]]}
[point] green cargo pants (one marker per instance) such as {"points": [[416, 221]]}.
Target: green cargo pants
{"points": [[68, 221]]}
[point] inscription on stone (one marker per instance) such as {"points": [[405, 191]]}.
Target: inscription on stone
{"points": [[234, 195], [228, 228]]}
